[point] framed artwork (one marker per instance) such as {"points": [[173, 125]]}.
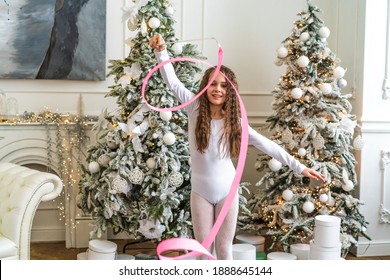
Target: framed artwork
{"points": [[53, 39]]}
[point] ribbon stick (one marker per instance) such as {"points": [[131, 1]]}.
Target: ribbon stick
{"points": [[193, 246]]}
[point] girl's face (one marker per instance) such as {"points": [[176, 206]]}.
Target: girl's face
{"points": [[216, 93]]}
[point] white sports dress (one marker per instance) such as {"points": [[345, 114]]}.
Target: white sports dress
{"points": [[212, 173]]}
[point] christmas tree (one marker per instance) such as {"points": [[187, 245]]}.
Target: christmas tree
{"points": [[312, 120], [137, 178]]}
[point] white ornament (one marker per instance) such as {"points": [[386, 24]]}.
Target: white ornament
{"points": [[144, 27], [324, 198], [169, 11], [348, 186], [120, 185], [287, 195], [169, 138], [177, 48], [94, 167], [303, 61], [324, 32], [151, 163], [136, 176], [112, 145], [304, 36], [302, 152], [326, 88], [274, 165], [358, 142], [166, 116], [132, 25], [282, 52], [331, 201], [342, 83], [296, 93], [189, 161], [308, 207], [154, 23], [175, 179], [104, 160], [338, 72], [318, 142]]}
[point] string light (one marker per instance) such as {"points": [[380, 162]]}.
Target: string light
{"points": [[69, 132]]}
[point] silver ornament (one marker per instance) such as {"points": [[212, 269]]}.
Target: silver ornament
{"points": [[175, 179], [358, 142], [136, 176], [120, 185]]}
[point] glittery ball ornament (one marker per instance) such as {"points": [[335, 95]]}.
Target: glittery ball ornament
{"points": [[296, 93], [326, 88], [177, 48], [175, 179], [120, 185], [358, 142], [136, 176], [324, 32], [287, 195]]}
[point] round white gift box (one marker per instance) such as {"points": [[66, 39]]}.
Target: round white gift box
{"points": [[244, 252], [324, 253], [125, 257], [82, 256], [101, 250], [302, 251], [256, 240], [327, 231], [276, 256]]}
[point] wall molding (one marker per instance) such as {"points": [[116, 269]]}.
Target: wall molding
{"points": [[386, 81], [384, 214], [375, 126]]}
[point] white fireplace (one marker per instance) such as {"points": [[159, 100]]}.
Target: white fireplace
{"points": [[36, 145]]}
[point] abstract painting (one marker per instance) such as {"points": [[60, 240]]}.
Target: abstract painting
{"points": [[53, 39]]}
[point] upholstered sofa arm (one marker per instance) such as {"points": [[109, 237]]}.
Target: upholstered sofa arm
{"points": [[21, 191]]}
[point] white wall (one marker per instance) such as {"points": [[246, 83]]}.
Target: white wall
{"points": [[375, 118]]}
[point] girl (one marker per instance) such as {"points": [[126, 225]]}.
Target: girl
{"points": [[214, 134]]}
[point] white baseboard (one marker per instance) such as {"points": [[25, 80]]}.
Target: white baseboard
{"points": [[47, 234], [371, 249]]}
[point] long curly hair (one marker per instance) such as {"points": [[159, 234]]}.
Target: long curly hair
{"points": [[231, 137]]}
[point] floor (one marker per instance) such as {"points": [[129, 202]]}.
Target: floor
{"points": [[57, 251]]}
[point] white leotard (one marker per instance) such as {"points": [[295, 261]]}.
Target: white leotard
{"points": [[212, 174]]}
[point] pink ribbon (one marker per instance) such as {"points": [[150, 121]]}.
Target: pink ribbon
{"points": [[193, 246]]}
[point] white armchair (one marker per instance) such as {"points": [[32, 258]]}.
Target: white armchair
{"points": [[21, 191]]}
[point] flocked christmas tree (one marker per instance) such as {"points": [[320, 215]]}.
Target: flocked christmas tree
{"points": [[137, 178], [312, 120]]}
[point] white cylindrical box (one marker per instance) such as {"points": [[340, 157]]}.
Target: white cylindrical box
{"points": [[256, 240], [302, 251], [277, 256], [82, 256], [244, 252], [101, 250], [125, 257], [327, 231], [324, 253]]}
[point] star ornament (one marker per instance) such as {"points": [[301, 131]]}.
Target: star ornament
{"points": [[131, 73], [131, 129]]}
